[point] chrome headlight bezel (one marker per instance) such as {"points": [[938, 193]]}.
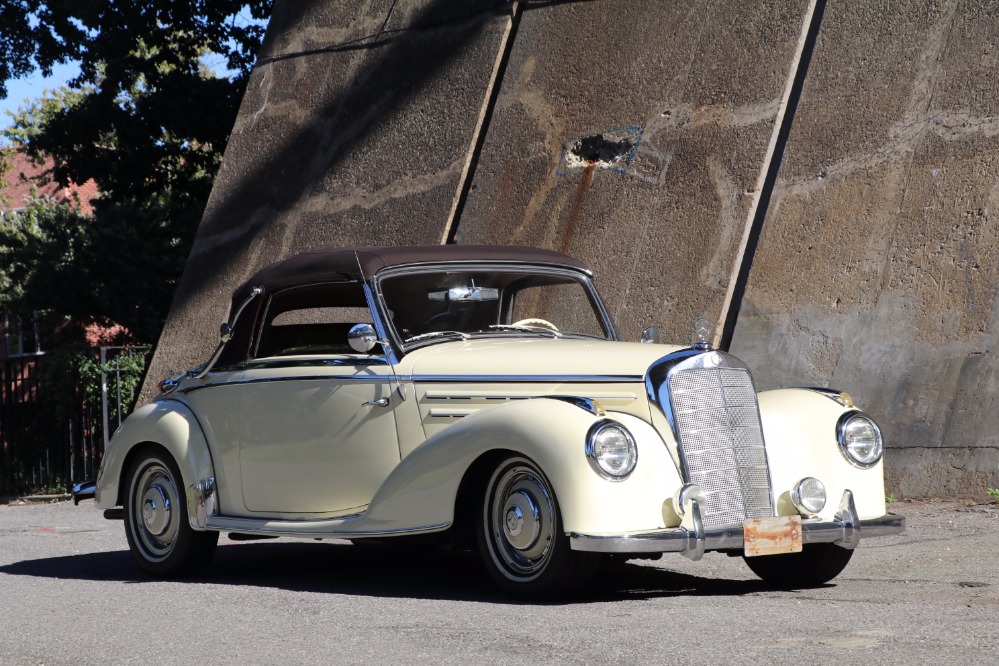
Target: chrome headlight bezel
{"points": [[593, 452], [842, 437]]}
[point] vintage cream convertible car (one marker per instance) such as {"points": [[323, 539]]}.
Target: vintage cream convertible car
{"points": [[480, 394]]}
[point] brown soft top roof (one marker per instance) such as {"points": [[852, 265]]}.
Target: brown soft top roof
{"points": [[346, 263]]}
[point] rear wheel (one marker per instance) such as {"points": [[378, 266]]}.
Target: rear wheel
{"points": [[156, 526], [815, 565], [520, 535]]}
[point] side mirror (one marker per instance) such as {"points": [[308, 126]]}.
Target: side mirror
{"points": [[650, 336], [362, 338], [225, 332]]}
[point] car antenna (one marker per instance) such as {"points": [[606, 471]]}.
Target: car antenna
{"points": [[385, 344]]}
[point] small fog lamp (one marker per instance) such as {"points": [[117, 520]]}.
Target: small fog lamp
{"points": [[809, 496]]}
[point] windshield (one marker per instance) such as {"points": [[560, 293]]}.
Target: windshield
{"points": [[444, 303]]}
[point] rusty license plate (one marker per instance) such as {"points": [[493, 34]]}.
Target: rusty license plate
{"points": [[772, 536]]}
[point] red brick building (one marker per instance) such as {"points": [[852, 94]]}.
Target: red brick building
{"points": [[26, 177]]}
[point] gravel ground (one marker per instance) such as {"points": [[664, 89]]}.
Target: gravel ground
{"points": [[73, 596]]}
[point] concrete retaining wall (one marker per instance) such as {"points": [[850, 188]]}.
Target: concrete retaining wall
{"points": [[822, 178]]}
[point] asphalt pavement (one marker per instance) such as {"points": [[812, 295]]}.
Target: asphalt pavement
{"points": [[71, 595]]}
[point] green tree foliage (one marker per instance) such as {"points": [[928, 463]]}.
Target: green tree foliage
{"points": [[77, 270], [146, 120], [152, 116]]}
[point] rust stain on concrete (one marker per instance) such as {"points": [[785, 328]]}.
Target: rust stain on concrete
{"points": [[577, 207]]}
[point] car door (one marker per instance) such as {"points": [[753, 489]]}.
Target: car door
{"points": [[317, 432]]}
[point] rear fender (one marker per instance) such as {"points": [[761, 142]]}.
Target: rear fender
{"points": [[166, 423], [422, 490]]}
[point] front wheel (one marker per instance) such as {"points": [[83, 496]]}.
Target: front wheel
{"points": [[815, 565], [520, 535], [156, 526]]}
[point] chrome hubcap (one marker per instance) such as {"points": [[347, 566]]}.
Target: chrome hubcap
{"points": [[522, 521], [154, 522], [156, 510], [520, 516]]}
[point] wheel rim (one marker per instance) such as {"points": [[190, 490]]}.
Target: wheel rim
{"points": [[520, 516], [155, 511]]}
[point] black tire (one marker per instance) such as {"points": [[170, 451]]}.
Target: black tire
{"points": [[815, 565], [520, 536], [156, 526]]}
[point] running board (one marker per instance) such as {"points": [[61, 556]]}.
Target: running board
{"points": [[345, 527]]}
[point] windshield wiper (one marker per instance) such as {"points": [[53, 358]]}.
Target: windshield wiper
{"points": [[525, 329], [434, 334]]}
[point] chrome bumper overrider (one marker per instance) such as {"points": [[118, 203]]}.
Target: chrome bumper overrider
{"points": [[846, 530]]}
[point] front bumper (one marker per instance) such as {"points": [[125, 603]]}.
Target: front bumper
{"points": [[846, 530]]}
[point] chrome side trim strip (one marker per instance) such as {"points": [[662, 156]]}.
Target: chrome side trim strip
{"points": [[332, 528], [517, 379], [279, 362], [292, 378], [454, 412], [485, 379], [478, 395], [586, 404]]}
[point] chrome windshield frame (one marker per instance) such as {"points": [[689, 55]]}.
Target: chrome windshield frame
{"points": [[388, 330]]}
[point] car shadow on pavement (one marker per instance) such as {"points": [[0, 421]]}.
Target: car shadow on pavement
{"points": [[376, 571]]}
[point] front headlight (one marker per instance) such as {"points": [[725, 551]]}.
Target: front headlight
{"points": [[611, 449], [859, 439]]}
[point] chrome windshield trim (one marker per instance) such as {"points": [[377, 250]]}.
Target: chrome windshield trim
{"points": [[378, 305]]}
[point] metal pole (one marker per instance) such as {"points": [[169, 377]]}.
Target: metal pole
{"points": [[117, 384], [72, 455], [104, 395]]}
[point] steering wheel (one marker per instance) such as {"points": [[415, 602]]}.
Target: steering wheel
{"points": [[542, 323]]}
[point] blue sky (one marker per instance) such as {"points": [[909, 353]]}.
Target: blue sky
{"points": [[32, 87]]}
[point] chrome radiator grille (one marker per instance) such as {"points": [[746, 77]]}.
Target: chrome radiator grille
{"points": [[721, 442]]}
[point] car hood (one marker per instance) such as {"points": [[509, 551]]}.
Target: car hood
{"points": [[535, 358]]}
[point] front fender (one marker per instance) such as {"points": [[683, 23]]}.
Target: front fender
{"points": [[422, 490], [168, 423], [799, 426]]}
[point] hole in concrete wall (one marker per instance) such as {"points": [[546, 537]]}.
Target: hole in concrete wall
{"points": [[611, 150]]}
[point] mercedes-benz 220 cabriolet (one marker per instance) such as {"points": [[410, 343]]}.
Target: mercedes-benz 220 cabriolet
{"points": [[481, 394]]}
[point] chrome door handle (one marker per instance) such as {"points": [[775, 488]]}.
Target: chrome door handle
{"points": [[380, 402]]}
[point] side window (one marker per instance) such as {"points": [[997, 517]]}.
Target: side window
{"points": [[311, 321]]}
